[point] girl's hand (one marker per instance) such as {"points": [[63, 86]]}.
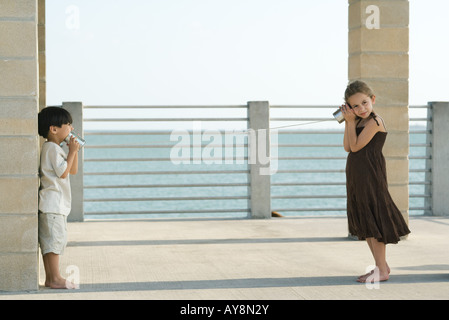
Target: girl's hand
{"points": [[73, 145], [347, 112]]}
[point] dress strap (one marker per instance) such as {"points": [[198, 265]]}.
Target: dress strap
{"points": [[375, 116]]}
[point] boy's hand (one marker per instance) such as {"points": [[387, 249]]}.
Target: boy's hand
{"points": [[348, 113], [73, 145]]}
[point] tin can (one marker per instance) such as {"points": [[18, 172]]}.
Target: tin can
{"points": [[80, 140], [338, 115]]}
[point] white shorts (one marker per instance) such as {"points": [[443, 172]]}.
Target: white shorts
{"points": [[52, 232]]}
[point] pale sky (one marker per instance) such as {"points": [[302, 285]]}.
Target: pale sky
{"points": [[221, 52]]}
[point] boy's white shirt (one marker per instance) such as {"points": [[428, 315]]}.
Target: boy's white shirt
{"points": [[54, 193]]}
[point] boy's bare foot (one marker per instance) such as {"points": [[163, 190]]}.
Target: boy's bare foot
{"points": [[61, 283]]}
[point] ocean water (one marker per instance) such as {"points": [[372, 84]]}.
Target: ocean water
{"points": [[116, 198]]}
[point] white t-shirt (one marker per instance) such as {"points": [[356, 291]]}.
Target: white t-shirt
{"points": [[54, 194]]}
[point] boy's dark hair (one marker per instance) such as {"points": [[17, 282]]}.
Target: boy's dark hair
{"points": [[52, 116]]}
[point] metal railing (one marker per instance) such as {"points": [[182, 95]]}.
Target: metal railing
{"points": [[130, 171], [420, 178], [143, 168]]}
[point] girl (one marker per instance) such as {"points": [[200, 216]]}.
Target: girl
{"points": [[372, 214]]}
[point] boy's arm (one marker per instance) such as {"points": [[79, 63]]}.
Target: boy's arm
{"points": [[72, 158], [74, 168], [70, 163]]}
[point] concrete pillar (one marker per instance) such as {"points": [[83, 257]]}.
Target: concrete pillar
{"points": [[42, 56], [77, 181], [19, 149], [439, 163], [258, 149], [378, 54]]}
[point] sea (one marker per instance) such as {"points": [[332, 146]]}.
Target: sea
{"points": [[126, 174]]}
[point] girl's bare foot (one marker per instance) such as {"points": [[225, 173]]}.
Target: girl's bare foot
{"points": [[370, 273], [378, 277]]}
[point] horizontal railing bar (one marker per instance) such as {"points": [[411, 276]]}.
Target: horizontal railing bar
{"points": [[161, 119], [420, 131], [115, 146], [164, 172], [165, 186], [234, 131], [420, 145], [308, 196], [310, 132], [221, 106], [160, 159], [138, 146], [309, 209], [311, 171], [275, 184], [302, 107], [233, 159], [302, 119], [306, 145], [311, 158], [308, 183], [328, 106], [419, 170], [203, 159], [168, 107], [166, 199], [332, 183], [221, 211], [419, 119], [89, 133], [165, 211], [427, 182]]}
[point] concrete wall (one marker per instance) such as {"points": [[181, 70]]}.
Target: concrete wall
{"points": [[19, 150], [378, 44]]}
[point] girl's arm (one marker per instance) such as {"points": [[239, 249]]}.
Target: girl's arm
{"points": [[346, 139], [357, 143], [352, 142]]}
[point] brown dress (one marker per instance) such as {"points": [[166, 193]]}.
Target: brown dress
{"points": [[370, 208]]}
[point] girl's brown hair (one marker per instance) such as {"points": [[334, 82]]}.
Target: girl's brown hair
{"points": [[358, 87]]}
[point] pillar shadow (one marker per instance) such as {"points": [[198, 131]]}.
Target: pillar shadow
{"points": [[248, 283], [149, 242]]}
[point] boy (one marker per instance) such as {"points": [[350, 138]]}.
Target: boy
{"points": [[54, 124]]}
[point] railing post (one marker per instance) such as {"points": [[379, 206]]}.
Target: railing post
{"points": [[428, 163], [77, 181], [258, 151], [440, 158]]}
